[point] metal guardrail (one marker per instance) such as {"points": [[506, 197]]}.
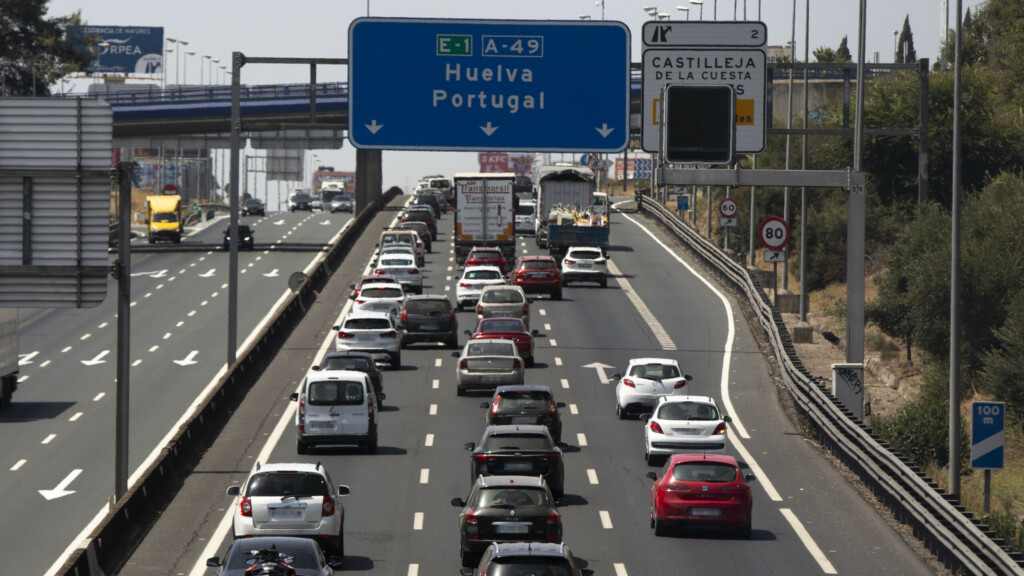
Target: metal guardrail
{"points": [[949, 533], [141, 94]]}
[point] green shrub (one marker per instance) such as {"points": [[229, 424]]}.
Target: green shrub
{"points": [[1008, 527], [920, 432]]}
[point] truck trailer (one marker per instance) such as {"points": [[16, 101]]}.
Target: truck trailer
{"points": [[485, 214], [566, 211]]}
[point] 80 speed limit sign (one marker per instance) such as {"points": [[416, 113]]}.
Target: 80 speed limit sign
{"points": [[774, 233], [727, 208]]}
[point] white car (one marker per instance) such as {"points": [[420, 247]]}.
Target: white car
{"points": [[684, 424], [380, 298], [336, 407], [474, 280], [373, 332], [404, 268], [401, 248], [583, 264], [646, 380], [526, 216], [294, 499]]}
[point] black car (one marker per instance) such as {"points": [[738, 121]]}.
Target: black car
{"points": [[420, 228], [253, 207], [425, 216], [245, 240], [428, 318], [428, 200], [300, 202], [358, 361], [302, 554], [515, 558], [506, 509], [525, 450], [528, 404]]}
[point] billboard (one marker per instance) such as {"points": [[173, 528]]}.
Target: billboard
{"points": [[128, 50], [637, 168], [493, 162], [521, 164], [321, 176]]}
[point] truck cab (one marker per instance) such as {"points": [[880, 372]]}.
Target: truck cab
{"points": [[164, 218]]}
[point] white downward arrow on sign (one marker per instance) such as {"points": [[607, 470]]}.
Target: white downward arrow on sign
{"points": [[97, 360], [488, 129], [604, 130], [208, 274], [600, 370], [60, 489], [373, 127], [272, 273], [188, 359]]}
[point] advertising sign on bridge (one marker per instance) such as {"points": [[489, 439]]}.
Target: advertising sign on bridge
{"points": [[128, 49], [491, 162]]}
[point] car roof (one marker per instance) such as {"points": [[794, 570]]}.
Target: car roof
{"points": [[535, 258], [384, 278], [696, 457], [511, 343], [504, 287], [335, 375], [683, 399], [292, 466], [494, 319], [400, 256], [427, 297], [265, 542], [529, 481], [488, 248], [634, 361], [587, 248], [367, 314], [347, 354], [493, 429], [379, 285], [500, 549], [523, 388], [494, 268]]}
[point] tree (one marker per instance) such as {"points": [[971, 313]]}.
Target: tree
{"points": [[828, 55], [843, 52], [905, 52], [34, 50]]}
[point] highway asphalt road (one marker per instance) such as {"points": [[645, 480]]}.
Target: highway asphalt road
{"points": [[58, 448], [807, 519]]}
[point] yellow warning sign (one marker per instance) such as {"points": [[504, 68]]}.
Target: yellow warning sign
{"points": [[744, 112]]}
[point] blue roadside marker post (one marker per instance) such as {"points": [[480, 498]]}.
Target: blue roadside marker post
{"points": [[988, 441]]}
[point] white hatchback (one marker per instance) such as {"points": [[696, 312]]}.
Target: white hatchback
{"points": [[474, 280], [646, 380], [402, 267], [584, 264], [682, 424], [373, 332], [380, 298]]}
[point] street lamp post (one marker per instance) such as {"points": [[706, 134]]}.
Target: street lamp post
{"points": [[208, 65], [601, 4], [701, 4], [184, 69], [895, 45], [663, 16], [652, 11], [684, 9]]}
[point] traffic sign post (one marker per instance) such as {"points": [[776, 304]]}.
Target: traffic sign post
{"points": [[988, 441], [728, 208], [774, 234], [488, 85]]}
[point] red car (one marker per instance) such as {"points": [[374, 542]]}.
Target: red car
{"points": [[481, 256], [701, 490], [508, 329], [538, 274], [371, 279]]}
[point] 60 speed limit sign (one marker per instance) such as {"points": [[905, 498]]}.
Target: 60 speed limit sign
{"points": [[774, 233], [727, 208]]}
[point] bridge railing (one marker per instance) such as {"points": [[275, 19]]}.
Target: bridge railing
{"points": [[141, 94]]}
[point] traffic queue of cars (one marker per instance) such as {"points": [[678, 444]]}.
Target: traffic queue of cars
{"points": [[509, 523]]}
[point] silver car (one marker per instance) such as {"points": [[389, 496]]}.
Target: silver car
{"points": [[380, 298], [373, 332], [487, 364], [473, 282], [504, 302], [403, 268]]}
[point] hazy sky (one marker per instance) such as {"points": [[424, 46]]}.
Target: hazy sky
{"points": [[319, 28]]}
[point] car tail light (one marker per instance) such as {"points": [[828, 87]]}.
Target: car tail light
{"points": [[360, 301], [480, 458], [327, 509], [302, 412], [464, 365], [720, 429], [451, 315], [465, 285], [472, 530], [628, 382], [378, 272], [494, 407], [405, 315], [345, 335], [414, 271], [678, 487], [551, 406], [570, 262], [680, 384], [516, 364], [601, 262], [554, 526], [655, 427], [526, 309], [245, 507], [389, 334], [479, 309]]}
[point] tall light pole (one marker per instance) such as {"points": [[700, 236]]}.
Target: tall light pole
{"points": [[701, 4], [213, 70], [220, 79], [601, 4], [652, 11], [208, 65], [895, 45], [663, 16], [184, 68], [684, 9]]}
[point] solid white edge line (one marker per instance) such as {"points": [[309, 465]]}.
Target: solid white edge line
{"points": [[809, 542]]}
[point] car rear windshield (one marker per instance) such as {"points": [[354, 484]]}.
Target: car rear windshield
{"points": [[287, 484], [523, 400], [486, 255], [417, 215], [396, 262], [502, 325], [428, 306], [586, 254], [501, 297], [704, 472], [510, 497], [297, 557], [472, 274], [538, 265], [517, 441], [367, 324], [358, 363], [688, 411], [335, 393], [483, 348], [526, 210], [524, 566], [396, 238], [301, 198], [375, 292], [655, 371]]}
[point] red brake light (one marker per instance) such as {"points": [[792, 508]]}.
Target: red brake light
{"points": [[414, 271], [720, 429], [327, 509], [471, 517], [494, 407], [655, 427], [628, 382], [570, 261], [479, 309], [245, 507], [526, 309], [360, 301], [554, 518], [464, 285], [390, 334], [451, 315], [378, 272], [345, 335], [405, 315], [480, 458], [516, 364], [680, 384], [464, 365], [551, 406]]}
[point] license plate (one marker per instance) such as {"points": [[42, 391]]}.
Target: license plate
{"points": [[320, 425], [429, 327], [512, 528], [490, 378], [523, 420], [585, 265], [381, 307], [286, 513], [537, 275], [705, 511], [518, 466]]}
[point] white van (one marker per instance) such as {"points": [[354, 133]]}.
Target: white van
{"points": [[601, 205], [336, 407]]}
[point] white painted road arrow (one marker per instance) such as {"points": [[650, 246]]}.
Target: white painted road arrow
{"points": [[272, 273], [279, 222], [373, 127], [600, 370], [604, 130], [189, 360], [97, 360], [325, 223], [26, 358], [153, 274], [60, 490], [208, 274], [488, 129]]}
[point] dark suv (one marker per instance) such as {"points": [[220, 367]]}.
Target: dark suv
{"points": [[429, 200], [425, 216], [245, 240], [518, 449], [529, 404], [514, 558], [538, 274], [428, 318]]}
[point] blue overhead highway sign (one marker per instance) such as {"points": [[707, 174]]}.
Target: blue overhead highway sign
{"points": [[988, 438], [488, 85]]}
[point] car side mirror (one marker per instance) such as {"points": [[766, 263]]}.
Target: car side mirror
{"points": [[469, 446], [561, 502], [750, 477], [726, 418], [652, 475], [351, 286], [343, 490], [535, 332], [560, 405], [351, 296], [294, 396], [213, 562], [458, 502], [467, 332], [234, 490], [687, 377], [484, 405], [455, 354], [336, 562], [616, 376], [335, 327], [645, 417]]}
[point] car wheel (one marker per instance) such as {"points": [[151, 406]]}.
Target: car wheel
{"points": [[467, 560], [659, 527], [396, 361], [453, 342], [340, 548], [371, 446], [301, 447], [529, 362], [652, 460], [604, 283], [744, 531], [458, 307], [620, 412], [556, 295], [460, 391]]}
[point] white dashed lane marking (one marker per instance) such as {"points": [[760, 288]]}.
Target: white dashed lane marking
{"points": [[437, 361], [99, 396], [606, 519], [48, 439], [573, 409], [425, 476], [436, 384], [558, 361], [76, 416], [581, 438], [429, 440], [652, 322], [18, 464], [547, 327], [433, 409], [414, 570], [592, 475], [620, 569], [565, 383], [417, 521], [553, 342]]}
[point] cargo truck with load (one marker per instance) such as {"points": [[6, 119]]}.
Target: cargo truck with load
{"points": [[566, 211], [485, 214], [164, 218]]}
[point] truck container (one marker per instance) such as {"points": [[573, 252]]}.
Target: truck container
{"points": [[164, 218], [8, 354], [566, 215], [485, 214]]}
